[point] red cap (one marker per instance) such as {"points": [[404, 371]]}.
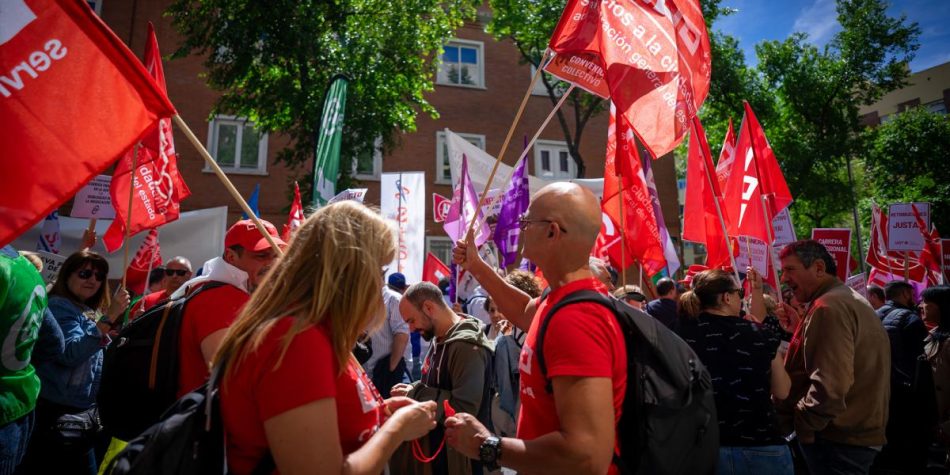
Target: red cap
{"points": [[245, 234]]}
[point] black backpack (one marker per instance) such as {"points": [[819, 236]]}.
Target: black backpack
{"points": [[140, 368], [668, 422]]}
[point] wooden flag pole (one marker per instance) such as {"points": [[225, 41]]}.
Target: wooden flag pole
{"points": [[511, 130], [722, 221], [128, 219], [227, 182], [623, 244], [768, 246]]}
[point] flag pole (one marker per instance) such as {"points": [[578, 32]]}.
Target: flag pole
{"points": [[227, 182], [128, 219], [623, 244], [498, 159], [722, 221], [768, 232]]}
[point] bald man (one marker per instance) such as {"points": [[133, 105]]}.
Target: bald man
{"points": [[568, 426]]}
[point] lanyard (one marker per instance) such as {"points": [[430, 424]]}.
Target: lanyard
{"points": [[417, 449]]}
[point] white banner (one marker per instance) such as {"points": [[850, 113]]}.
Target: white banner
{"points": [[197, 235], [902, 231], [403, 200], [784, 231], [93, 200], [859, 283], [759, 257], [354, 194]]}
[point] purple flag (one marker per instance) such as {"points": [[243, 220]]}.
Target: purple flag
{"points": [[463, 210], [513, 205], [669, 252]]}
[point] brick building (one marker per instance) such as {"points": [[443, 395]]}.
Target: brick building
{"points": [[477, 93], [929, 88]]}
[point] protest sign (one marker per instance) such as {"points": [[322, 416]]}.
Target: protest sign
{"points": [[859, 283], [784, 231], [838, 243], [759, 259], [354, 194], [902, 231], [51, 265], [492, 203], [403, 200], [93, 200]]}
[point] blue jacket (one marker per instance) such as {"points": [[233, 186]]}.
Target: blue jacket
{"points": [[72, 378]]}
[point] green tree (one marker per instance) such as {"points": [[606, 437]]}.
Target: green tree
{"points": [[272, 61], [907, 161]]}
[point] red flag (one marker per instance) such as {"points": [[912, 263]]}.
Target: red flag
{"points": [[877, 256], [434, 270], [73, 98], [160, 187], [726, 157], [641, 233], [295, 219], [148, 257], [931, 255], [755, 174], [654, 57], [700, 219]]}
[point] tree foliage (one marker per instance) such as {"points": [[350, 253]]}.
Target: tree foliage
{"points": [[907, 161], [272, 62]]}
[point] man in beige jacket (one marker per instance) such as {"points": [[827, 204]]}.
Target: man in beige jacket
{"points": [[839, 362]]}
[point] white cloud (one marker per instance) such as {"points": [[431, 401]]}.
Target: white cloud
{"points": [[819, 20]]}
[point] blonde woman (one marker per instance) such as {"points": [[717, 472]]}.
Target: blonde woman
{"points": [[292, 389]]}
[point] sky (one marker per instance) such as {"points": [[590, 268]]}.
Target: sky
{"points": [[758, 20]]}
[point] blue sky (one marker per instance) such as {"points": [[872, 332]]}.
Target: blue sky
{"points": [[759, 20]]}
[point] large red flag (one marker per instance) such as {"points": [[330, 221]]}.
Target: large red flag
{"points": [[295, 219], [878, 257], [700, 219], [158, 182], [641, 233], [654, 57], [755, 174], [148, 257], [73, 98], [434, 270], [726, 157], [931, 255]]}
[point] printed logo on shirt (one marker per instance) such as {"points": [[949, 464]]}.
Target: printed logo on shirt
{"points": [[364, 389], [524, 363]]}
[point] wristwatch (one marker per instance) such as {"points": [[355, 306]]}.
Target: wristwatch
{"points": [[490, 452]]}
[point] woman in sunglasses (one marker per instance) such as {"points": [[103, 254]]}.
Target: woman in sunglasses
{"points": [[66, 423], [745, 368]]}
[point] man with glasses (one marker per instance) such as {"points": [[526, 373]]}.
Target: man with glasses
{"points": [[176, 272], [568, 415]]}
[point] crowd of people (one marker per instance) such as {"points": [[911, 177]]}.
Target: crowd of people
{"points": [[809, 378]]}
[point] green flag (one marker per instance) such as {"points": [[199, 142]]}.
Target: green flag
{"points": [[326, 165]]}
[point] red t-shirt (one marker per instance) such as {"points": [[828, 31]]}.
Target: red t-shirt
{"points": [[259, 390], [583, 340], [210, 311], [149, 301]]}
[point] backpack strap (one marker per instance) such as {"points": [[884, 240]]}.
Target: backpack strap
{"points": [[572, 298]]}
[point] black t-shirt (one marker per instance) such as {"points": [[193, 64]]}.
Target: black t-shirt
{"points": [[738, 355]]}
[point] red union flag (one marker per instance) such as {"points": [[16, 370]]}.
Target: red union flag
{"points": [[159, 186], [726, 157], [440, 207], [148, 257], [296, 217], [700, 218], [434, 270], [73, 99], [653, 54]]}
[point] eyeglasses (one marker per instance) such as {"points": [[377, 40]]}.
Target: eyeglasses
{"points": [[523, 222], [178, 272], [739, 292], [87, 273]]}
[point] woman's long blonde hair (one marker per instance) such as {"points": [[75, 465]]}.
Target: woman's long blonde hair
{"points": [[331, 271]]}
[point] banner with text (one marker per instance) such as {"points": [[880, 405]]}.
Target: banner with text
{"points": [[945, 259], [93, 200], [403, 198], [859, 283], [902, 231], [784, 231], [759, 257], [838, 243], [51, 264]]}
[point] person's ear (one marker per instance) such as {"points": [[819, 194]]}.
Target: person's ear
{"points": [[820, 266]]}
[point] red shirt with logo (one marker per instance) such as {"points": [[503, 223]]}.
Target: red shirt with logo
{"points": [[583, 340], [205, 313], [149, 301], [260, 389]]}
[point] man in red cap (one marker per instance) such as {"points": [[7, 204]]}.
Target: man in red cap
{"points": [[207, 316]]}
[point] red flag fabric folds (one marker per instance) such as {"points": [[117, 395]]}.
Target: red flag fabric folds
{"points": [[641, 233], [73, 98], [726, 157], [931, 255], [158, 183], [654, 57], [296, 217], [700, 219], [434, 270], [877, 256], [148, 257]]}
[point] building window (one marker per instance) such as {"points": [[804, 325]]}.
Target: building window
{"points": [[905, 106], [237, 146], [369, 164], [440, 247], [937, 107], [463, 64], [540, 89], [552, 160], [443, 166]]}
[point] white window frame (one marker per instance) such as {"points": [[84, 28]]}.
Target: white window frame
{"points": [[377, 163], [431, 239], [442, 161], [539, 89], [553, 146], [213, 146], [478, 45]]}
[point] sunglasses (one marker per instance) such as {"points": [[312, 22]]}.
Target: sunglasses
{"points": [[740, 292], [523, 223], [87, 273], [178, 272]]}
